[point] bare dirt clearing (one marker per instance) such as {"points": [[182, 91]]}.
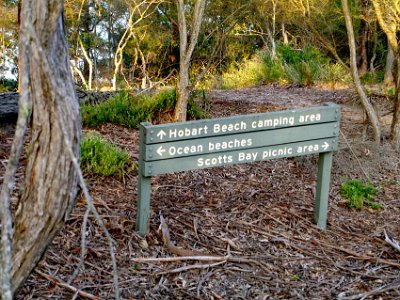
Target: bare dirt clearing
{"points": [[256, 218]]}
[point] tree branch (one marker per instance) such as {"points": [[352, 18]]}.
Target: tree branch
{"points": [[196, 25]]}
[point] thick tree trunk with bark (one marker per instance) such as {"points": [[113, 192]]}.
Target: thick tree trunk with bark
{"points": [[51, 181], [371, 113], [387, 13]]}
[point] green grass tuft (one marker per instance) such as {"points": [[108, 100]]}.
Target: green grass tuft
{"points": [[102, 158], [358, 194]]}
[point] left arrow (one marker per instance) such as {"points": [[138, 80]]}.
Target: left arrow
{"points": [[161, 134], [160, 151]]}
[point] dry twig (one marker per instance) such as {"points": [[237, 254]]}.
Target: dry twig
{"points": [[171, 247], [67, 286], [395, 244]]}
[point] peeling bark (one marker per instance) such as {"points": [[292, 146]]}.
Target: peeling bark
{"points": [[51, 181]]}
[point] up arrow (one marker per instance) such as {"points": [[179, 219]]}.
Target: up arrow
{"points": [[160, 151], [161, 134], [325, 146]]}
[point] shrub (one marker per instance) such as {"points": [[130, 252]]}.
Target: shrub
{"points": [[8, 85], [249, 73], [335, 73], [102, 158], [305, 67], [358, 194], [130, 111]]}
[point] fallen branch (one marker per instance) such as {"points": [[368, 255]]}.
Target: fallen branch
{"points": [[172, 248], [391, 286], [395, 244], [67, 286], [180, 258], [363, 296], [191, 267]]}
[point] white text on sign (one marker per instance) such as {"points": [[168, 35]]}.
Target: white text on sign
{"points": [[251, 156], [239, 126]]}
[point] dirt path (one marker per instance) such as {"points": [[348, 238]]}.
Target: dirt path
{"points": [[258, 218]]}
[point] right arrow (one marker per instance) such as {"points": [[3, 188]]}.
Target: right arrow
{"points": [[325, 146]]}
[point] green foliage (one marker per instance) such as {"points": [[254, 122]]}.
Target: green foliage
{"points": [[273, 69], [102, 158], [8, 85], [304, 67], [130, 111], [196, 108], [373, 77], [248, 74], [358, 194], [295, 277], [336, 73]]}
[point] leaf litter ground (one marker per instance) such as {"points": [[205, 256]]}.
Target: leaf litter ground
{"points": [[252, 224]]}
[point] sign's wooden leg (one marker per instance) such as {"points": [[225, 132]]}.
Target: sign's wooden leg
{"points": [[322, 191], [143, 204], [144, 189]]}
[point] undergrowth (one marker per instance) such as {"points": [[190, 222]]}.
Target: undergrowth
{"points": [[358, 194], [102, 158], [127, 110], [303, 67], [8, 85]]}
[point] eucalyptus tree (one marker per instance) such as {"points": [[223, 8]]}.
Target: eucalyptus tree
{"points": [[138, 11], [371, 113], [93, 30], [192, 14], [51, 180], [388, 15]]}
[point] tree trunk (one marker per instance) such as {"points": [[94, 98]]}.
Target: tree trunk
{"points": [[51, 181], [389, 79], [372, 68], [285, 35], [372, 116], [364, 30], [395, 128], [19, 30], [389, 24], [86, 20], [183, 92], [186, 49], [118, 56], [272, 32]]}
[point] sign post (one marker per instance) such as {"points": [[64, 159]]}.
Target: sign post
{"points": [[144, 189], [175, 147], [322, 190]]}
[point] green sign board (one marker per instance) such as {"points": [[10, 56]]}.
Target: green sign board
{"points": [[201, 144]]}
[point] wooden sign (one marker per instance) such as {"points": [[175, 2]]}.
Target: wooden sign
{"points": [[169, 148]]}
